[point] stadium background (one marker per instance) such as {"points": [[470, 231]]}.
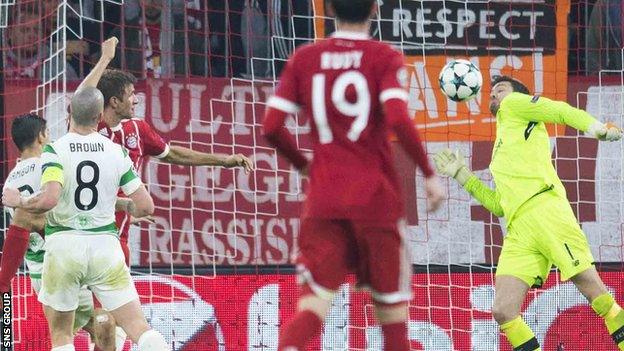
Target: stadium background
{"points": [[215, 271]]}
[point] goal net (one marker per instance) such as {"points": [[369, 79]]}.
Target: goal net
{"points": [[215, 272]]}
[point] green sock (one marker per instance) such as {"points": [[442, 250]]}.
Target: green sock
{"points": [[520, 336], [606, 307]]}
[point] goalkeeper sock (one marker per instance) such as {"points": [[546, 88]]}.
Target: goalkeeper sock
{"points": [[520, 336], [606, 307], [299, 330], [13, 250], [395, 336]]}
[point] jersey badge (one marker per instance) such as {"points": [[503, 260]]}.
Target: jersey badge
{"points": [[131, 141]]}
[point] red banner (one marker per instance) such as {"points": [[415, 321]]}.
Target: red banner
{"points": [[449, 312]]}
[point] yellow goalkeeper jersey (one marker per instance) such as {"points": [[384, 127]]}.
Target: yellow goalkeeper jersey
{"points": [[521, 159]]}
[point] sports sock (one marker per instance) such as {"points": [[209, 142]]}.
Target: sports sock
{"points": [[395, 336], [152, 340], [68, 347], [120, 338], [298, 331], [613, 315], [13, 250], [520, 336]]}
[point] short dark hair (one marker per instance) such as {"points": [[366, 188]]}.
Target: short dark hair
{"points": [[26, 129], [352, 11], [113, 84], [517, 85]]}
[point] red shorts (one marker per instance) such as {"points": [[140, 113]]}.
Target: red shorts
{"points": [[376, 252]]}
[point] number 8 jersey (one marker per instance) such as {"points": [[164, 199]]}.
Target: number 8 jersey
{"points": [[91, 169]]}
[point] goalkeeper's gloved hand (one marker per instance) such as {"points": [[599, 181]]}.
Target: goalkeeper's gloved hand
{"points": [[605, 131], [452, 164]]}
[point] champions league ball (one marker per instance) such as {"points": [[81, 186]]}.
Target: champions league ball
{"points": [[460, 80]]}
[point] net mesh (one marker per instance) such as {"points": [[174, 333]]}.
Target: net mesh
{"points": [[215, 271]]}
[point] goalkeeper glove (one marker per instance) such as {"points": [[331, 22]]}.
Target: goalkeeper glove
{"points": [[605, 131], [452, 164]]}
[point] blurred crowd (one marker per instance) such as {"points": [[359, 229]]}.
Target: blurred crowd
{"points": [[233, 38], [158, 38]]}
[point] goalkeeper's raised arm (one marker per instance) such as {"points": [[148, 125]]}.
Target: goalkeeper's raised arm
{"points": [[536, 108]]}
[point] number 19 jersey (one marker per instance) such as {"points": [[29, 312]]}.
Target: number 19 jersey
{"points": [[341, 84], [91, 169]]}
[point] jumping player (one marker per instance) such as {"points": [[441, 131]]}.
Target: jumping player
{"points": [[353, 89]]}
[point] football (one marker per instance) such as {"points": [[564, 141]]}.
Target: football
{"points": [[460, 80]]}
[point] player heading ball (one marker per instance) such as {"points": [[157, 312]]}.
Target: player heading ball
{"points": [[541, 227], [353, 89]]}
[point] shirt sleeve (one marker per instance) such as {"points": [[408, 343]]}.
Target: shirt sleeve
{"points": [[129, 181], [541, 109], [285, 97], [393, 81], [153, 144], [489, 198], [51, 167]]}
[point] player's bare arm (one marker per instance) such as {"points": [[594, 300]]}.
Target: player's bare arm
{"points": [[179, 155], [108, 54], [38, 203]]}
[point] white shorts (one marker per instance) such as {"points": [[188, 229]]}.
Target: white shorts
{"points": [[85, 309], [96, 261]]}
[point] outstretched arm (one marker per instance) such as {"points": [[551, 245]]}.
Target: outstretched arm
{"points": [[184, 156], [452, 164], [541, 109], [108, 54]]}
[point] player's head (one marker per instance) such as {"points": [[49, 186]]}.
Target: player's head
{"points": [[118, 90], [87, 105], [503, 86], [29, 130], [352, 11]]}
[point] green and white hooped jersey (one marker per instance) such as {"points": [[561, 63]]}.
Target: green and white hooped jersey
{"points": [[26, 177], [91, 169]]}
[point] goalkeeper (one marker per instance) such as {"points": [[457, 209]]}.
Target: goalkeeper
{"points": [[541, 227]]}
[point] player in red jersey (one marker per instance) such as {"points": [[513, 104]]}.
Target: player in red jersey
{"points": [[140, 141], [353, 89]]}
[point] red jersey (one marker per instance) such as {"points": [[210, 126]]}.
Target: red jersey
{"points": [[341, 84], [140, 140]]}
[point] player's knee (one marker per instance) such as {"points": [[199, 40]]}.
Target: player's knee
{"points": [[391, 313], [502, 313], [152, 340], [104, 328]]}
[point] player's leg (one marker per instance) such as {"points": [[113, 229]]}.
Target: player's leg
{"points": [[326, 251], [63, 266], [109, 279], [386, 267], [15, 245], [520, 266], [60, 324], [573, 257]]}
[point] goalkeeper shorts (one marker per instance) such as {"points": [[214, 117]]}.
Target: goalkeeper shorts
{"points": [[544, 232], [72, 261]]}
